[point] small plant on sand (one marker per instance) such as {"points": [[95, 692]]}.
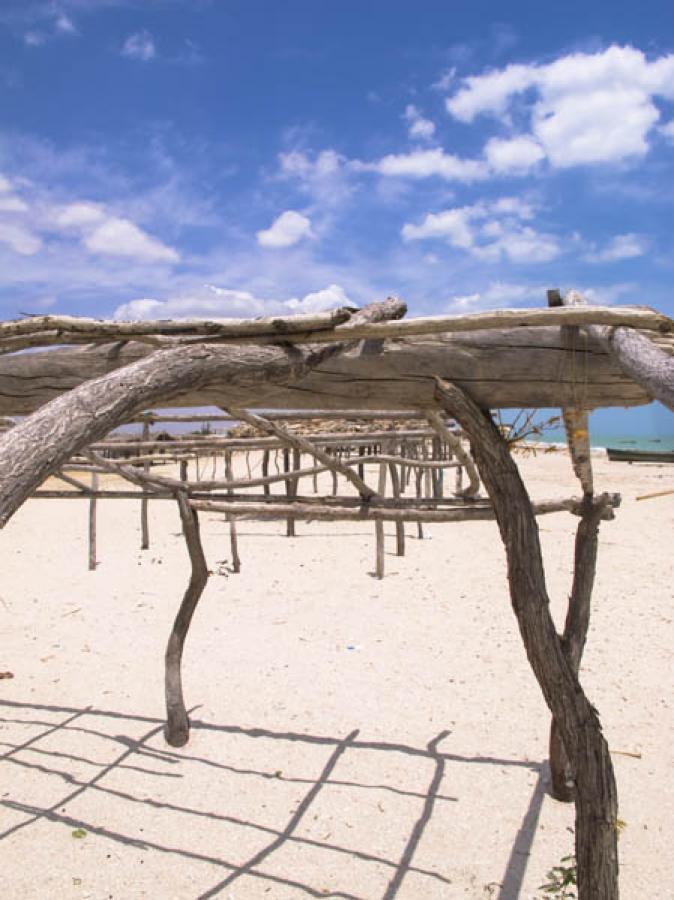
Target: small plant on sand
{"points": [[561, 880]]}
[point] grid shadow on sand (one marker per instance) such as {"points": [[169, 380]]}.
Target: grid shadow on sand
{"points": [[310, 814]]}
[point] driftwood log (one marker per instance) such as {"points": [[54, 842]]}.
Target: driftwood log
{"points": [[523, 367], [576, 718]]}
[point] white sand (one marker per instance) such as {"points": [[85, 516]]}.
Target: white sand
{"points": [[351, 737]]}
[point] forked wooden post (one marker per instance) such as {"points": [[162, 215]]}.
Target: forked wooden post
{"points": [[575, 634], [577, 427], [177, 723], [577, 720]]}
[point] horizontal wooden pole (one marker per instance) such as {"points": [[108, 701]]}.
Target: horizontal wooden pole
{"points": [[315, 328], [632, 317], [305, 415], [262, 443], [374, 512], [279, 326], [314, 509]]}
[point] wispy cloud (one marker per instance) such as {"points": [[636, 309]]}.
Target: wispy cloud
{"points": [[490, 231], [428, 163], [211, 301], [140, 45], [418, 127], [497, 294], [622, 246]]}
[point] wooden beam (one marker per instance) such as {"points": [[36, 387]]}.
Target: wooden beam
{"points": [[495, 366]]}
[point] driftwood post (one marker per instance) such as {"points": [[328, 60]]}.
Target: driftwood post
{"points": [[577, 427], [419, 474], [92, 521], [233, 540], [400, 526], [577, 720], [265, 470], [144, 529], [177, 723], [379, 525], [290, 522]]}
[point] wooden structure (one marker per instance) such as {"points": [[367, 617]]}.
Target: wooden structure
{"points": [[569, 355]]}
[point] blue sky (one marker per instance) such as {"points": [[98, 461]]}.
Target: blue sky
{"points": [[188, 157]]}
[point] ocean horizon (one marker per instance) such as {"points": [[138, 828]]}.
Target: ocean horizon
{"points": [[598, 440]]}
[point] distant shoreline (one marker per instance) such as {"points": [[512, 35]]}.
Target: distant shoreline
{"points": [[600, 441]]}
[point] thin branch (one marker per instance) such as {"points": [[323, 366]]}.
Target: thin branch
{"points": [[299, 443]]}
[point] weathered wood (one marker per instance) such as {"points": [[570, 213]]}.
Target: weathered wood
{"points": [[575, 633], [400, 526], [495, 366], [233, 539], [578, 722], [386, 512], [177, 722], [92, 521], [639, 358], [304, 415], [144, 527], [73, 327], [208, 445], [265, 471], [290, 521], [72, 481], [379, 527], [303, 445], [464, 458], [577, 427], [307, 327], [42, 443]]}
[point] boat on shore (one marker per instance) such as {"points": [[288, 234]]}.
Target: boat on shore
{"points": [[616, 454]]}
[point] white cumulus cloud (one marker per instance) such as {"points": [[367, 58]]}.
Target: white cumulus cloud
{"points": [[286, 230], [583, 108], [514, 155], [77, 215], [120, 237]]}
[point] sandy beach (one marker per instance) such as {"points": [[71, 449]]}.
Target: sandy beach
{"points": [[351, 737]]}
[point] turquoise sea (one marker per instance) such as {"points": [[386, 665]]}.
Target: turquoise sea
{"points": [[641, 428], [621, 441]]}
